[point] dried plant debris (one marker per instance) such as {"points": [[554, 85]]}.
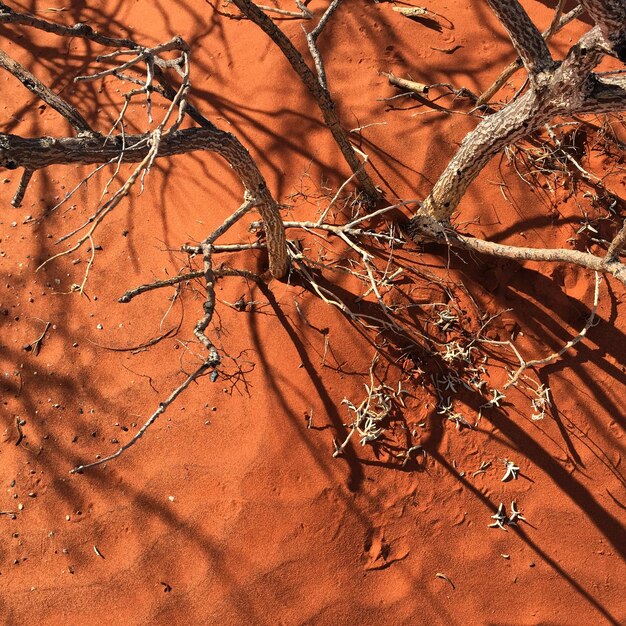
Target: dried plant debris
{"points": [[511, 470], [502, 520]]}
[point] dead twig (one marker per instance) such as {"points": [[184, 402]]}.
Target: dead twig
{"points": [[556, 355], [163, 406], [35, 346]]}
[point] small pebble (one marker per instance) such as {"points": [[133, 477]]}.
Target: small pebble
{"points": [[99, 326]]}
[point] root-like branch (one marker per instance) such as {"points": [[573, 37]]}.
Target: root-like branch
{"points": [[424, 228]]}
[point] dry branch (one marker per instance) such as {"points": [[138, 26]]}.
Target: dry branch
{"points": [[525, 37], [33, 84], [566, 89], [163, 406], [514, 66], [316, 88], [36, 153], [426, 228], [409, 85], [524, 365]]}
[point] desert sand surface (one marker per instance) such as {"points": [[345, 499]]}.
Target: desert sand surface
{"points": [[232, 508]]}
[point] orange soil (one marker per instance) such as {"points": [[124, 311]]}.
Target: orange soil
{"points": [[230, 510]]}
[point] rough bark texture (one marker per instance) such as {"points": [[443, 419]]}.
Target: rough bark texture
{"points": [[37, 153], [91, 147], [524, 35], [566, 89]]}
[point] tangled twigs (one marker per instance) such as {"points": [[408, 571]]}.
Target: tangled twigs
{"points": [[524, 365], [89, 147], [369, 415], [213, 358], [163, 406]]}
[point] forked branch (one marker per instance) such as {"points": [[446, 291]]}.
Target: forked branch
{"points": [[316, 87], [524, 35], [567, 89]]}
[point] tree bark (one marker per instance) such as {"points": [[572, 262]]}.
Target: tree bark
{"points": [[37, 153], [566, 89]]}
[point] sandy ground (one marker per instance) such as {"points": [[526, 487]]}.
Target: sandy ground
{"points": [[231, 510]]}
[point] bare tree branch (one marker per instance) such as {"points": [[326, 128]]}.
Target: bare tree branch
{"points": [[617, 245], [33, 84], [22, 187], [34, 154], [566, 89], [319, 93], [423, 227], [524, 365], [524, 35], [510, 69], [9, 16], [312, 42], [610, 16], [605, 95], [303, 13], [163, 406]]}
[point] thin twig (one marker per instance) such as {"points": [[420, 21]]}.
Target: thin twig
{"points": [[554, 356], [160, 410], [303, 13]]}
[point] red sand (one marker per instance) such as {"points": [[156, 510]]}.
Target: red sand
{"points": [[229, 510]]}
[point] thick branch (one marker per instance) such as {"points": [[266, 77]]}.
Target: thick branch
{"points": [[524, 35], [510, 69], [610, 16], [606, 95], [569, 89], [34, 154], [508, 125], [21, 189]]}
